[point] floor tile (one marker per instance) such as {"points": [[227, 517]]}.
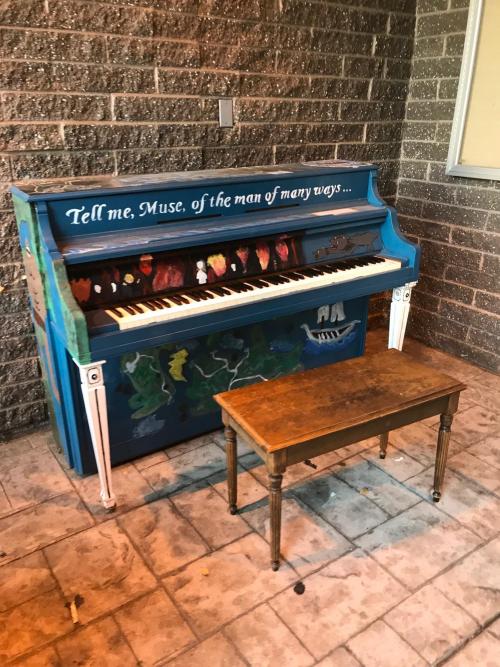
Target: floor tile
{"points": [[476, 469], [473, 425], [431, 623], [204, 508], [129, 486], [5, 506], [24, 579], [418, 441], [150, 460], [488, 450], [494, 628], [339, 658], [396, 463], [307, 541], [418, 544], [42, 524], [182, 470], [213, 652], [227, 583], [472, 505], [154, 628], [242, 447], [264, 641], [474, 584], [293, 474], [249, 489], [344, 508], [339, 600], [380, 646], [163, 537], [88, 646], [33, 624], [484, 390], [102, 566], [189, 445], [47, 657], [480, 652], [356, 448], [15, 449], [375, 484], [33, 478]]}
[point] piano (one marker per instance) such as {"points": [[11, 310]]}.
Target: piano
{"points": [[151, 293]]}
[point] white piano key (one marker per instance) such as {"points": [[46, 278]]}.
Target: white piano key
{"points": [[193, 307]]}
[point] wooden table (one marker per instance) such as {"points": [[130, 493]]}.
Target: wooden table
{"points": [[300, 416]]}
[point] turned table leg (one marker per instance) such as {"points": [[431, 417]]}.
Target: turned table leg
{"points": [[383, 439], [441, 455], [231, 468], [275, 511]]}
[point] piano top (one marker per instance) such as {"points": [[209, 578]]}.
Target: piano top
{"points": [[88, 186]]}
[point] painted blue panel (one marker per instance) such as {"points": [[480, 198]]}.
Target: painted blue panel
{"points": [[92, 215], [163, 394]]}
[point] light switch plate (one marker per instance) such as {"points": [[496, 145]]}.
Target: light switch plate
{"points": [[226, 112]]}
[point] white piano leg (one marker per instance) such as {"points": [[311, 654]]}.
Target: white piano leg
{"points": [[94, 397], [400, 307]]}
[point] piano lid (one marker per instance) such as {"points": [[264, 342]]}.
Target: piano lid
{"points": [[88, 186]]}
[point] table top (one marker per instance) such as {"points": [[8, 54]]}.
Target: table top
{"points": [[309, 404]]}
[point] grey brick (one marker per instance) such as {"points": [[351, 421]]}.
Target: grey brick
{"points": [[419, 131], [439, 24], [424, 150], [215, 158], [387, 132], [424, 89], [22, 417], [489, 302], [393, 47], [456, 215], [154, 161], [476, 240], [99, 137], [21, 393], [30, 13], [163, 53], [174, 82], [426, 47], [430, 110], [29, 137], [448, 254], [57, 164], [397, 69], [455, 44], [399, 24], [393, 90], [469, 353], [432, 68], [72, 15], [426, 6], [446, 289], [45, 45], [144, 108], [35, 106], [424, 229], [363, 68], [293, 62], [240, 9]]}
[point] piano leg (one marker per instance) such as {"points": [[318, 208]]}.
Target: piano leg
{"points": [[400, 307], [94, 397]]}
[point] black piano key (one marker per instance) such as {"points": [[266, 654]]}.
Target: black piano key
{"points": [[150, 305], [207, 295], [116, 312], [217, 290], [176, 299], [165, 302]]}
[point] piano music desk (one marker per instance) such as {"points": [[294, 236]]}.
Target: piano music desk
{"points": [[300, 416]]}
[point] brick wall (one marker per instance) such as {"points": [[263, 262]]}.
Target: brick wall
{"points": [[456, 305], [126, 86]]}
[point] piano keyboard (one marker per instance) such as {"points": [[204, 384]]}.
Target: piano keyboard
{"points": [[241, 292]]}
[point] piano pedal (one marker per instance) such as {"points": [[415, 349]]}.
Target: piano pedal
{"points": [[309, 463]]}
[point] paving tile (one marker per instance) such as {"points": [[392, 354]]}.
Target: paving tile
{"points": [[45, 658], [37, 526], [14, 450], [189, 445], [32, 478], [129, 486], [164, 537], [431, 623], [480, 393], [474, 584], [472, 505], [204, 508], [33, 624], [344, 508], [418, 544], [154, 628], [307, 541], [242, 446], [339, 600], [494, 628], [488, 450], [150, 460], [473, 425], [375, 484], [396, 463], [380, 646], [216, 651], [24, 579], [249, 489], [293, 474], [484, 651], [102, 566], [88, 646], [5, 506], [476, 469], [356, 448], [418, 440], [264, 648], [339, 658], [182, 470], [227, 583]]}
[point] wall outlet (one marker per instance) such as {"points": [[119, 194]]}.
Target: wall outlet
{"points": [[226, 112]]}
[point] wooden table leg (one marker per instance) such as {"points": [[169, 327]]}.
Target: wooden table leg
{"points": [[232, 490], [383, 439], [275, 480], [441, 455]]}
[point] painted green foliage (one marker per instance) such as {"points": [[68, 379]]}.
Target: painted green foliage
{"points": [[199, 369]]}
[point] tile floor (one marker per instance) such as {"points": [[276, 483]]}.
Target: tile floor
{"points": [[170, 578]]}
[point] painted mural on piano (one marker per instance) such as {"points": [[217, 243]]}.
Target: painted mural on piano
{"points": [[178, 380], [124, 279]]}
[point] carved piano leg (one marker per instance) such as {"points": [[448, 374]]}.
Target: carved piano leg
{"points": [[232, 479], [383, 440], [400, 307], [94, 397]]}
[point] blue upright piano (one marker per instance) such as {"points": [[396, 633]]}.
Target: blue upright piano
{"points": [[151, 293]]}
